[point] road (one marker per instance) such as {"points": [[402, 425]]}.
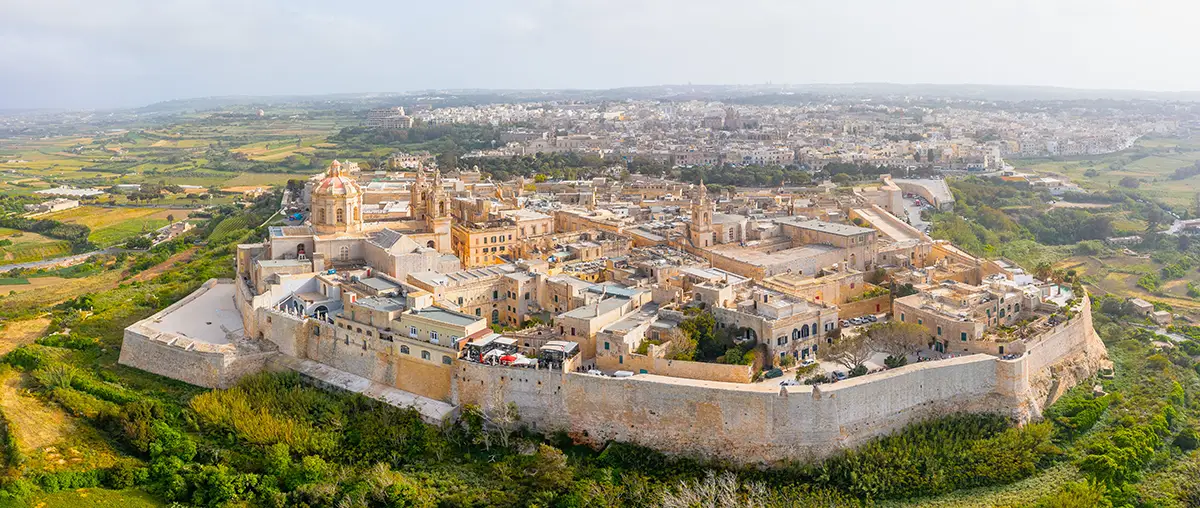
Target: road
{"points": [[73, 259]]}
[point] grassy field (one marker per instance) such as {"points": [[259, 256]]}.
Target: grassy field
{"points": [[98, 498], [1118, 274], [111, 226], [1162, 158], [30, 247]]}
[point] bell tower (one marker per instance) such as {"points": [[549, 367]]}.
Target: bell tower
{"points": [[418, 192], [437, 213], [700, 231]]}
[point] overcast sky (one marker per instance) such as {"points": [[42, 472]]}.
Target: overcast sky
{"points": [[106, 53]]}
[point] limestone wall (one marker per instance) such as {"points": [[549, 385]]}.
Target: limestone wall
{"points": [[764, 424], [738, 422], [195, 363], [684, 369], [878, 305]]}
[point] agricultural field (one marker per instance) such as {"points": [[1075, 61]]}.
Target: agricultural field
{"points": [[1118, 274], [1152, 161], [25, 247], [111, 226]]}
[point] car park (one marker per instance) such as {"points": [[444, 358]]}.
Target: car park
{"points": [[872, 318]]}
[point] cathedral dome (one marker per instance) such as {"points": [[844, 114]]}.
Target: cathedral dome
{"points": [[336, 183]]}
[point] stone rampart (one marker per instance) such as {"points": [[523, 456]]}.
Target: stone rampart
{"points": [[192, 361], [765, 424]]}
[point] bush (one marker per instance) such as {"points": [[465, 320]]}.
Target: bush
{"points": [[934, 457], [895, 361], [25, 358], [858, 370], [1187, 439], [125, 474]]}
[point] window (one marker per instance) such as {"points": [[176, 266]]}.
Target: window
{"points": [[1001, 312], [1017, 308], [526, 296], [620, 358], [964, 336], [495, 295], [433, 336], [344, 253], [572, 330], [939, 331], [446, 359], [477, 314], [920, 321], [901, 317], [989, 311], [606, 346], [316, 331], [412, 331], [404, 349], [341, 215], [460, 300], [424, 355]]}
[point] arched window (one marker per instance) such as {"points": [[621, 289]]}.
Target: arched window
{"points": [[321, 215], [344, 253], [441, 208], [495, 316], [804, 331], [424, 355], [430, 244], [795, 333], [446, 359], [341, 216], [404, 349]]}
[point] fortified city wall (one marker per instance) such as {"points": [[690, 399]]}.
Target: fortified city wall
{"points": [[193, 361], [755, 424], [740, 422]]}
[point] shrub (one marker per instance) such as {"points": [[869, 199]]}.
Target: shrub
{"points": [[25, 358], [1187, 439], [895, 361]]}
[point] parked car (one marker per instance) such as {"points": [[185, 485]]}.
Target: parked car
{"points": [[807, 362], [872, 318], [773, 373], [845, 323], [840, 375]]}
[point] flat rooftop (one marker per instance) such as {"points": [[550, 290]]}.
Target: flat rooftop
{"points": [[827, 227], [936, 187], [447, 316], [207, 317], [889, 228], [759, 258]]}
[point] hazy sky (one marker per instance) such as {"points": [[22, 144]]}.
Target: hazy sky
{"points": [[103, 53]]}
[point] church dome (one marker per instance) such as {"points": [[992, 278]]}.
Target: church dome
{"points": [[336, 183]]}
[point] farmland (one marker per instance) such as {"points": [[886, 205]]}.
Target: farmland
{"points": [[1151, 161], [114, 225]]}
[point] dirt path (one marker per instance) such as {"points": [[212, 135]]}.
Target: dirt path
{"points": [[154, 271], [22, 332], [37, 424]]}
